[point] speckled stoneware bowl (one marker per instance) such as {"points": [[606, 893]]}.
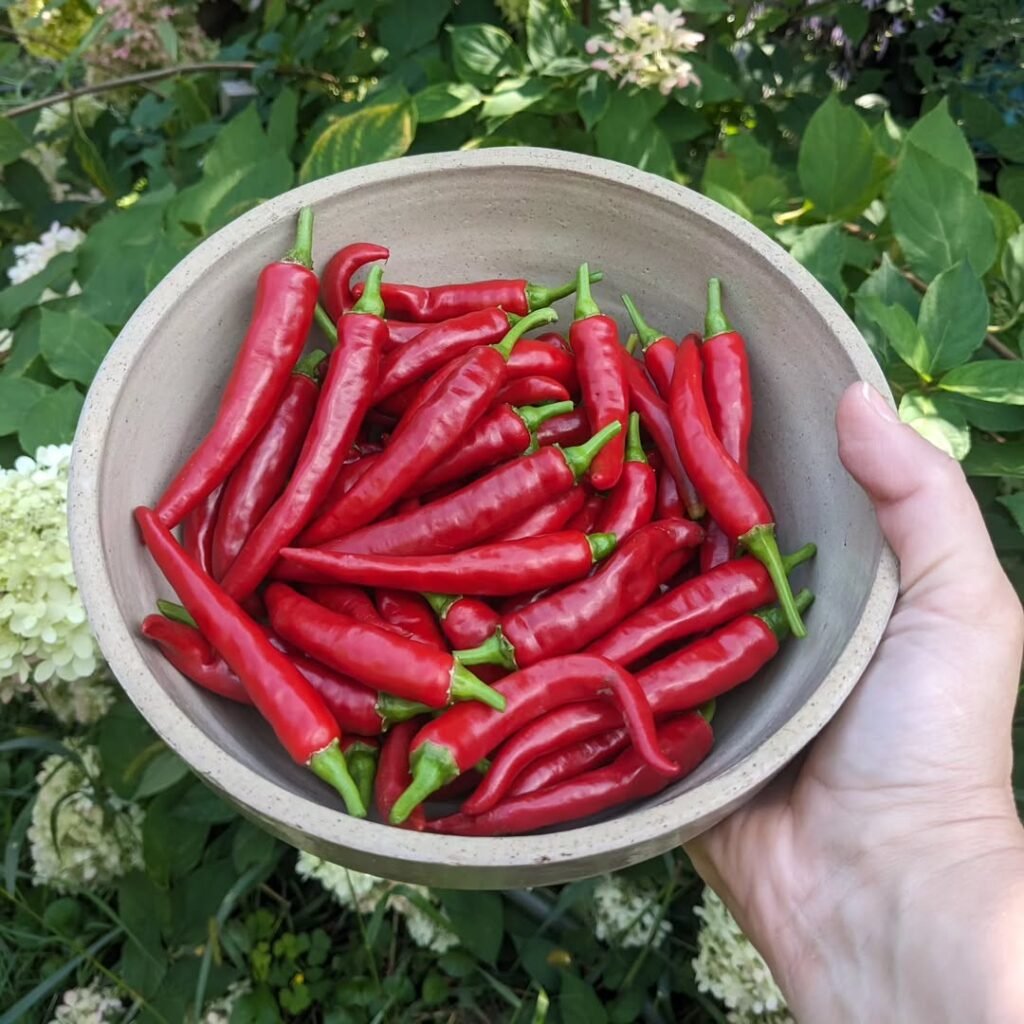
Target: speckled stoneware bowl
{"points": [[459, 216]]}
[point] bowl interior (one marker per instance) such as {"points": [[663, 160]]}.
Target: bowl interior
{"points": [[472, 216]]}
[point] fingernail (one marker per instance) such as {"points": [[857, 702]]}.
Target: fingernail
{"points": [[878, 404]]}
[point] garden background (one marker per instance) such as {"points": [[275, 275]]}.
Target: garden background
{"points": [[881, 143]]}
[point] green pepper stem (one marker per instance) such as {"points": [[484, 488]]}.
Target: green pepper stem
{"points": [[302, 251], [466, 686], [433, 766], [537, 295], [631, 342], [715, 320], [326, 325], [775, 619], [798, 557], [707, 711], [329, 764], [176, 613], [309, 364], [537, 318], [393, 709], [495, 650], [634, 449], [581, 456], [534, 415], [602, 545], [647, 334], [585, 304], [761, 543], [370, 301], [440, 603], [362, 766]]}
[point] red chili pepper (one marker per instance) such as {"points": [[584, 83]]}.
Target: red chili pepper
{"points": [[348, 476], [294, 710], [480, 509], [668, 502], [335, 283], [733, 500], [570, 428], [508, 567], [533, 391], [548, 518], [444, 301], [717, 549], [655, 418], [535, 357], [393, 775], [506, 431], [361, 753], [345, 600], [281, 318], [600, 366], [696, 606], [572, 617], [556, 340], [658, 348], [344, 401], [411, 616], [466, 621], [419, 444], [400, 332], [462, 736], [199, 526], [384, 660], [687, 739], [262, 473], [585, 521], [631, 504], [569, 762]]}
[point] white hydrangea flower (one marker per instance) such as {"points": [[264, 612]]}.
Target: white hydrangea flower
{"points": [[32, 257], [731, 969], [646, 48], [76, 840], [57, 116], [93, 1004], [514, 11], [355, 889], [626, 913], [219, 1011], [44, 636]]}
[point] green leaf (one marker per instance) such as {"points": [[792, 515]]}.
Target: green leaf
{"points": [[714, 86], [592, 99], [993, 458], [73, 345], [626, 133], [836, 162], [889, 285], [481, 54], [52, 419], [1010, 185], [854, 21], [446, 99], [729, 200], [548, 27], [17, 397], [282, 124], [477, 918], [820, 250], [171, 845], [1014, 504], [13, 141], [937, 419], [162, 772], [408, 25], [168, 38], [513, 95], [992, 380], [15, 299], [366, 137], [141, 906], [900, 330], [1004, 218], [888, 137], [1012, 265], [578, 1003], [938, 135], [744, 167], [989, 415], [953, 318]]}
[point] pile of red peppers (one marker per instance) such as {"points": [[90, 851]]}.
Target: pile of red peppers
{"points": [[451, 566]]}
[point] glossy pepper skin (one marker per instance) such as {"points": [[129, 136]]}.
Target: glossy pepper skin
{"points": [[344, 402], [281, 318], [668, 502], [505, 432], [411, 616], [569, 619], [535, 357], [346, 600], [569, 428], [658, 348], [586, 519], [297, 714], [733, 500], [696, 606], [199, 527], [548, 518], [442, 302], [687, 739], [631, 505], [480, 509], [335, 282], [500, 569], [533, 391], [393, 775], [570, 761], [361, 753], [463, 736], [262, 473], [466, 621], [381, 659], [600, 366]]}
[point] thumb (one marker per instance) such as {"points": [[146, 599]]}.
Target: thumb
{"points": [[925, 508]]}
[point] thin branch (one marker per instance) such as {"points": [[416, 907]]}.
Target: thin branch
{"points": [[160, 73]]}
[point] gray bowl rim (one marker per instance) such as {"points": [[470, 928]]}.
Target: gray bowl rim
{"points": [[656, 827]]}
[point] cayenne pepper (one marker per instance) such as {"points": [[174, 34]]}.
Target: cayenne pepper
{"points": [[361, 753], [658, 348], [411, 616], [466, 621], [393, 775], [335, 282], [570, 761], [631, 503], [533, 391], [549, 518], [569, 428], [199, 527]]}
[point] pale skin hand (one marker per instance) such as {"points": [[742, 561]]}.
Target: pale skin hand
{"points": [[882, 877]]}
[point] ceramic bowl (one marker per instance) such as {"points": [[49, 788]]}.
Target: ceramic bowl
{"points": [[460, 216]]}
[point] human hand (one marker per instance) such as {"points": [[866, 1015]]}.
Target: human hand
{"points": [[896, 835]]}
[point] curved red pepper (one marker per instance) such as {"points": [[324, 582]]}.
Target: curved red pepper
{"points": [[462, 736], [411, 616], [535, 357], [569, 428], [384, 660], [548, 518], [281, 318], [631, 505], [262, 473], [199, 528], [569, 762], [466, 621], [658, 348], [600, 366], [687, 739], [668, 502], [717, 548], [533, 391], [346, 600], [393, 776], [335, 284], [586, 519], [733, 500], [400, 332]]}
